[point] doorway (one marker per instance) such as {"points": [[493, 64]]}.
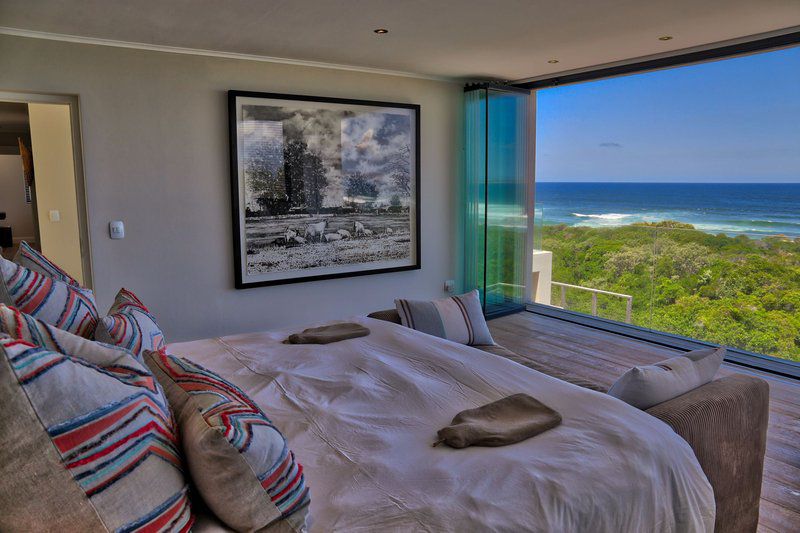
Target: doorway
{"points": [[42, 190]]}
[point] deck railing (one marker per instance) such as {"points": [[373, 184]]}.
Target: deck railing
{"points": [[595, 292]]}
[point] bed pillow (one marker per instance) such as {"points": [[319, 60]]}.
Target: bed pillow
{"points": [[29, 329], [50, 300], [34, 260], [238, 460], [130, 325], [85, 446], [457, 318], [646, 386]]}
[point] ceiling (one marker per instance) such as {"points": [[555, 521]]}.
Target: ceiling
{"points": [[471, 39]]}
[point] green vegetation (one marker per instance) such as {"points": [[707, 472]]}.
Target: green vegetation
{"points": [[734, 291]]}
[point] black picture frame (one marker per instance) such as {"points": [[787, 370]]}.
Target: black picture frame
{"points": [[239, 215]]}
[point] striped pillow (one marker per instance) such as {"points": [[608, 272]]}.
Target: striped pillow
{"points": [[130, 325], [29, 329], [457, 318], [239, 461], [34, 260], [50, 300], [85, 446]]}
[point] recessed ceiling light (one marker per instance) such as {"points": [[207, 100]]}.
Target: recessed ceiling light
{"points": [[553, 61], [381, 31], [665, 38]]}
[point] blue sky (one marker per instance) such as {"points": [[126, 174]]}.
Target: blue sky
{"points": [[734, 120]]}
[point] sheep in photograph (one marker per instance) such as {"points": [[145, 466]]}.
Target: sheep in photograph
{"points": [[330, 237], [289, 234], [388, 232], [358, 228], [299, 240], [316, 230], [344, 233], [367, 232]]}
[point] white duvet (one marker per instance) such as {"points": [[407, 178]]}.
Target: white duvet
{"points": [[361, 416]]}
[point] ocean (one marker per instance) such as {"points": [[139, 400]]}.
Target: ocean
{"points": [[754, 209]]}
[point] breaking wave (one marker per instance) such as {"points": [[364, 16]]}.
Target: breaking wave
{"points": [[604, 216]]}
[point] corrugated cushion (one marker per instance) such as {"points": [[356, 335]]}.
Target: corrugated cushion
{"points": [[36, 261], [107, 426], [239, 461], [48, 299], [457, 318], [725, 422], [130, 324]]}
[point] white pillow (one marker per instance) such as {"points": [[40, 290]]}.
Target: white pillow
{"points": [[646, 386]]}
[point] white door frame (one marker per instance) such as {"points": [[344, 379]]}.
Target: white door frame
{"points": [[77, 147]]}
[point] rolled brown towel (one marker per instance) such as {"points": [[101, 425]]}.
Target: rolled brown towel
{"points": [[328, 334], [512, 419]]}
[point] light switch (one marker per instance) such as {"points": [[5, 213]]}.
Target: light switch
{"points": [[450, 285], [55, 215], [116, 229]]}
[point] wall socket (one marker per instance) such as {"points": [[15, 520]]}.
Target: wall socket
{"points": [[450, 285]]}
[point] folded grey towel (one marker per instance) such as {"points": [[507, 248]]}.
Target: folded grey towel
{"points": [[328, 334], [512, 419]]}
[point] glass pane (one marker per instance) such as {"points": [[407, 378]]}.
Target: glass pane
{"points": [[474, 191], [507, 200], [671, 200]]}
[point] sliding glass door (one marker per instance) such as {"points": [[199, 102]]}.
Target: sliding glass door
{"points": [[498, 195]]}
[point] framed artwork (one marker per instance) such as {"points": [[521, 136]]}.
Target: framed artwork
{"points": [[322, 187]]}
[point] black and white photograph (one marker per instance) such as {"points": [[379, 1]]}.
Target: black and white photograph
{"points": [[322, 187]]}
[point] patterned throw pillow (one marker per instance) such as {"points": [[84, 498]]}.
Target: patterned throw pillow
{"points": [[239, 461], [85, 446], [129, 324], [50, 300], [457, 318], [27, 328], [34, 260]]}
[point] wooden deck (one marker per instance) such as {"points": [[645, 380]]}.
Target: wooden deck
{"points": [[603, 357]]}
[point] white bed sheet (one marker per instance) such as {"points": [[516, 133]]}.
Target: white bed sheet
{"points": [[361, 416]]}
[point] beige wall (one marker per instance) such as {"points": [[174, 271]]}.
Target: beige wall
{"points": [[54, 168], [155, 145], [12, 198]]}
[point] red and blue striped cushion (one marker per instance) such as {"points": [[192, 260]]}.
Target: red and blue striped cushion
{"points": [[33, 260], [110, 427], [130, 325], [48, 299], [232, 448]]}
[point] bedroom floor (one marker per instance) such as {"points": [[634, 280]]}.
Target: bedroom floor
{"points": [[603, 357]]}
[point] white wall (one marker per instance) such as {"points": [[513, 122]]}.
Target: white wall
{"points": [[19, 214], [155, 145]]}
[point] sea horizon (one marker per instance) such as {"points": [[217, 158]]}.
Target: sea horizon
{"points": [[755, 209]]}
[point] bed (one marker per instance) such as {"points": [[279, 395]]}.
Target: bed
{"points": [[361, 416]]}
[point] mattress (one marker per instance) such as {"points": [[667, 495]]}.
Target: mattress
{"points": [[361, 416]]}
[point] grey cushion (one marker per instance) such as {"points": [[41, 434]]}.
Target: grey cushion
{"points": [[457, 318], [646, 386]]}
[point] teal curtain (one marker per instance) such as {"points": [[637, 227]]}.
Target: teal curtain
{"points": [[497, 192]]}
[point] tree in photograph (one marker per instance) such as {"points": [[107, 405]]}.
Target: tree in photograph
{"points": [[399, 168], [394, 201], [358, 184], [265, 185], [295, 153], [315, 181]]}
